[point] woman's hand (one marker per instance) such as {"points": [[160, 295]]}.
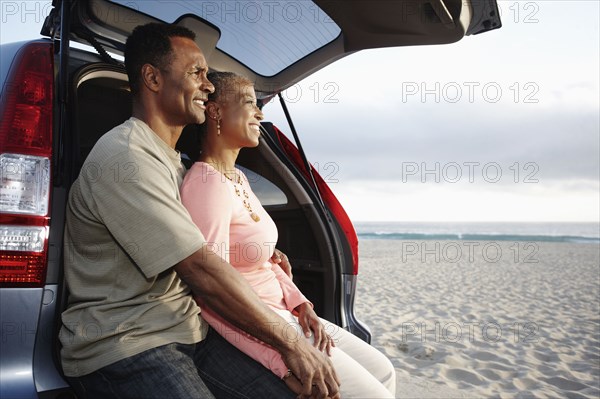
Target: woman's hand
{"points": [[282, 260], [310, 323]]}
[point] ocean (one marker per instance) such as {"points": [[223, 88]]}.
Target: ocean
{"points": [[588, 233]]}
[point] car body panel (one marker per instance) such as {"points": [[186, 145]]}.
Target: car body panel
{"points": [[19, 331]]}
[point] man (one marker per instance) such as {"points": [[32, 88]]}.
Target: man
{"points": [[131, 328]]}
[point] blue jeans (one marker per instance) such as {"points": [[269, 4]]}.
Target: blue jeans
{"points": [[211, 368]]}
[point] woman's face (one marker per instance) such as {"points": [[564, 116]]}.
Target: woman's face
{"points": [[240, 117]]}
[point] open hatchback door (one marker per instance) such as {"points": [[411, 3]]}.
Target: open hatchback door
{"points": [[278, 43]]}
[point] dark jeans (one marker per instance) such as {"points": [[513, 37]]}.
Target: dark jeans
{"points": [[183, 371]]}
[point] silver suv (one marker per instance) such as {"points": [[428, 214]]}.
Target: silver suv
{"points": [[57, 100]]}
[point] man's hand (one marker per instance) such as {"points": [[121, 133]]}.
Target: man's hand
{"points": [[293, 383], [311, 324], [295, 386], [224, 290], [282, 260], [313, 370]]}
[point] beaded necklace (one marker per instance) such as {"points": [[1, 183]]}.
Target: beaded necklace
{"points": [[245, 198]]}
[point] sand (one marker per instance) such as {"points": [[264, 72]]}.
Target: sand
{"points": [[481, 320]]}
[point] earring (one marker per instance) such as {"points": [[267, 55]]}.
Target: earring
{"points": [[218, 127]]}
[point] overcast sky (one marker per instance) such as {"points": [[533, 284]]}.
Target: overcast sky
{"points": [[502, 126]]}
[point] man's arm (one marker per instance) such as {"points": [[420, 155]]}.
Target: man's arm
{"points": [[283, 261], [225, 291]]}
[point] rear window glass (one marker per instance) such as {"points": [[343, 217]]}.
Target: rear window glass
{"points": [[266, 36], [265, 190]]}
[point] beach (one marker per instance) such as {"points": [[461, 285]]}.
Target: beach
{"points": [[481, 319]]}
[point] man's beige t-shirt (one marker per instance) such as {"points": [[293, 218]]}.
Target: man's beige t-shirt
{"points": [[125, 230]]}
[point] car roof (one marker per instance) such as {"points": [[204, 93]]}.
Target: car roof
{"points": [[278, 43]]}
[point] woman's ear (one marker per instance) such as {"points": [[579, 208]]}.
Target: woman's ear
{"points": [[212, 110], [151, 77]]}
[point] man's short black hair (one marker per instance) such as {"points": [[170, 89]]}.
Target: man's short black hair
{"points": [[150, 44]]}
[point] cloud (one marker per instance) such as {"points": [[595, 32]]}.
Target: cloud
{"points": [[392, 200], [546, 144], [503, 126]]}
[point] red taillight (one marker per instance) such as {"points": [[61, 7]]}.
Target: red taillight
{"points": [[327, 195], [26, 149]]}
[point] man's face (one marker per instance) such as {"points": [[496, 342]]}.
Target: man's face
{"points": [[185, 87]]}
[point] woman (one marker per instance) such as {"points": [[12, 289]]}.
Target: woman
{"points": [[222, 204]]}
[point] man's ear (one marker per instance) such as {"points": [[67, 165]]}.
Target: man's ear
{"points": [[151, 77]]}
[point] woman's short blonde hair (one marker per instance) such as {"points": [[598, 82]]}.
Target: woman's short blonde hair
{"points": [[227, 84]]}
